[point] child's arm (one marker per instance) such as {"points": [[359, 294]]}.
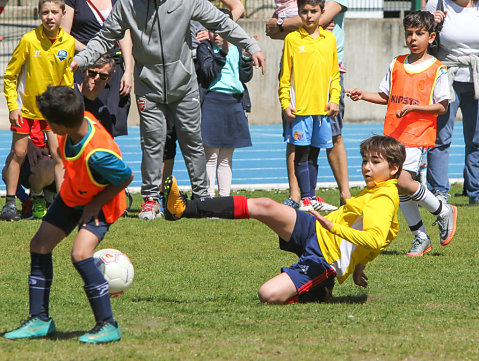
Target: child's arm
{"points": [[10, 81], [285, 83], [436, 108], [115, 172], [358, 94], [332, 107], [377, 217]]}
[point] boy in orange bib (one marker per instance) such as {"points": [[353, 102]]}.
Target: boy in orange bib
{"points": [[92, 198], [416, 91]]}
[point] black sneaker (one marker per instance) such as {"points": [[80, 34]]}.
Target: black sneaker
{"points": [[10, 212]]}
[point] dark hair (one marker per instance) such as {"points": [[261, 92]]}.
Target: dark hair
{"points": [[61, 105], [388, 147], [420, 20], [301, 3], [102, 61], [227, 12], [60, 3]]}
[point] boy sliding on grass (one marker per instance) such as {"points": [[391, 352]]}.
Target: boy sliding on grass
{"points": [[91, 197], [336, 245], [416, 90]]}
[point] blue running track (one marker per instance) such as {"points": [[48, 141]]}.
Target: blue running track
{"points": [[263, 165]]}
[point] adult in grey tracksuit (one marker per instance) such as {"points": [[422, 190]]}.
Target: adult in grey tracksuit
{"points": [[165, 78]]}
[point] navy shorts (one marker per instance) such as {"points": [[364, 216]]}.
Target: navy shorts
{"points": [[66, 218], [311, 269]]}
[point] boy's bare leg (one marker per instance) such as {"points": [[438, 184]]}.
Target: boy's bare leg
{"points": [[84, 245], [339, 165], [406, 183], [277, 290], [19, 150], [46, 238], [294, 191], [280, 218], [54, 151]]}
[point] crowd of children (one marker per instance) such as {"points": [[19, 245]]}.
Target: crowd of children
{"points": [[91, 177]]}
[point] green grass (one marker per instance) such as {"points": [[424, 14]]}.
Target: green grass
{"points": [[194, 297]]}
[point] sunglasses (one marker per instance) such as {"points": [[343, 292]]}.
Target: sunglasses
{"points": [[93, 74]]}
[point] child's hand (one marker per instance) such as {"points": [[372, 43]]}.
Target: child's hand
{"points": [[354, 94], [202, 35], [15, 117], [332, 109], [359, 277], [405, 110], [323, 221], [289, 114], [91, 210]]}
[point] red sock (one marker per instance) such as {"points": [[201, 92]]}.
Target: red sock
{"points": [[240, 207]]}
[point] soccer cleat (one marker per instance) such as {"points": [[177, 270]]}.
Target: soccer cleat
{"points": [[290, 202], [27, 209], [39, 207], [443, 197], [175, 201], [447, 224], [306, 204], [102, 332], [33, 327], [320, 205], [420, 246], [150, 209], [10, 212]]}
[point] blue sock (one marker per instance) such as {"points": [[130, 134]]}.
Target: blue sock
{"points": [[301, 170], [21, 195], [96, 289], [39, 283], [313, 176]]}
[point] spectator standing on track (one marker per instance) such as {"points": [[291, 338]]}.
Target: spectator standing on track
{"points": [[310, 67], [285, 19], [165, 79], [459, 51], [223, 70], [42, 57]]}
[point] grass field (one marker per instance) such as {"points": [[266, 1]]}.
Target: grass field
{"points": [[194, 297]]}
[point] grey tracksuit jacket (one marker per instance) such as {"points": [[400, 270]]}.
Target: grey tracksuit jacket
{"points": [[160, 32]]}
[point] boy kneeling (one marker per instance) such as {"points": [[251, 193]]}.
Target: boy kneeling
{"points": [[91, 197], [336, 245]]}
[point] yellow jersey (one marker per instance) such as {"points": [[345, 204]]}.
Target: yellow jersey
{"points": [[362, 228], [36, 63], [309, 66]]}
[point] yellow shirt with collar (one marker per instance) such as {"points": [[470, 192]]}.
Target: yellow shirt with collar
{"points": [[35, 64], [310, 66], [362, 228]]}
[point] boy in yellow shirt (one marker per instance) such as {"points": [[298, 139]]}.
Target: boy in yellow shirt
{"points": [[41, 58], [309, 92], [337, 245]]}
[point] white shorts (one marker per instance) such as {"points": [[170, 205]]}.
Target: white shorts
{"points": [[414, 158]]}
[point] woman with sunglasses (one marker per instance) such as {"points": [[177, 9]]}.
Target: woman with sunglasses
{"points": [[83, 19]]}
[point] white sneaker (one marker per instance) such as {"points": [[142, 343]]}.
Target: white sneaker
{"points": [[305, 204], [151, 209], [320, 205]]}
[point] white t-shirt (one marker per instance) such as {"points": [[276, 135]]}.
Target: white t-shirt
{"points": [[441, 90], [460, 32]]}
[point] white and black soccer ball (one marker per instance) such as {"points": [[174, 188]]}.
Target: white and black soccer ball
{"points": [[117, 269]]}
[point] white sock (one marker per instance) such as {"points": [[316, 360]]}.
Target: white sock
{"points": [[426, 199]]}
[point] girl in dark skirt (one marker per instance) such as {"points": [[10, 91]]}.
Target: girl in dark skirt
{"points": [[224, 126]]}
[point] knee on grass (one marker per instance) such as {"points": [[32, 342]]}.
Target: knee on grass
{"points": [[271, 296]]}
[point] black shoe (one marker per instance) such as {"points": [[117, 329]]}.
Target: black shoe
{"points": [[10, 212]]}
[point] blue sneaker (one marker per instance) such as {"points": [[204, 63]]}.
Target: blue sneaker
{"points": [[101, 333], [290, 202], [34, 327]]}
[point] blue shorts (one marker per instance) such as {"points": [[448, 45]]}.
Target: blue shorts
{"points": [[66, 218], [337, 121], [312, 130], [311, 269]]}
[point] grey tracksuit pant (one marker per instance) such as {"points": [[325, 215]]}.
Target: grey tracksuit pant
{"points": [[186, 115]]}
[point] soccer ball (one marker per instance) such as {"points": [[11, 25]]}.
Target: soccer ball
{"points": [[117, 269]]}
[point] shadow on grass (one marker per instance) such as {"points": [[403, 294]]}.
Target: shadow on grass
{"points": [[350, 299], [66, 335], [157, 299]]}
